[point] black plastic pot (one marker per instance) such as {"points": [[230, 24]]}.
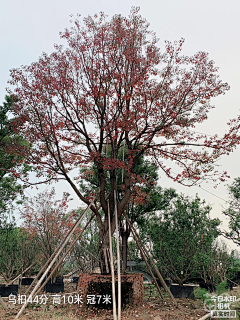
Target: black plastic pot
{"points": [[209, 286], [5, 291], [168, 282], [26, 281], [54, 287], [75, 279], [182, 291], [59, 280]]}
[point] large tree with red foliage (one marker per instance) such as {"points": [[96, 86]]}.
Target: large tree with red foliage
{"points": [[110, 88]]}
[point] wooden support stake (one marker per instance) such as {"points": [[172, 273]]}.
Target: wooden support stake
{"points": [[152, 262], [54, 257], [147, 264], [118, 259], [112, 267]]}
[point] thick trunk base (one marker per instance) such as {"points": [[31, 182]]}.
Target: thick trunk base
{"points": [[95, 284]]}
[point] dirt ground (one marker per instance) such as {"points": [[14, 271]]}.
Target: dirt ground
{"points": [[153, 308]]}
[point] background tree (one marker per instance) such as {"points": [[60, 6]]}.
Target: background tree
{"points": [[233, 212], [47, 221], [216, 262], [16, 251], [179, 236], [112, 86], [11, 156]]}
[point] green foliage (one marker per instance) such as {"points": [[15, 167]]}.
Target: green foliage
{"points": [[180, 234], [235, 189], [11, 156], [233, 212], [221, 287], [216, 261], [15, 250], [201, 293], [234, 269], [134, 253]]}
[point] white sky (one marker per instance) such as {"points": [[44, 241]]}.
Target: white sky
{"points": [[27, 28]]}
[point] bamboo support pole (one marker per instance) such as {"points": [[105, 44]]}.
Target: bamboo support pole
{"points": [[118, 259], [41, 270], [152, 262], [112, 267], [54, 258], [65, 254]]}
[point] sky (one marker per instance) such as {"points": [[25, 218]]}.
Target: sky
{"points": [[28, 28]]}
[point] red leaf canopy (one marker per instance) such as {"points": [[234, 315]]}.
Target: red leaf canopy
{"points": [[112, 87]]}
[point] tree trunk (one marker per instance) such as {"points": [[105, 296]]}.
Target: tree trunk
{"points": [[104, 260]]}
